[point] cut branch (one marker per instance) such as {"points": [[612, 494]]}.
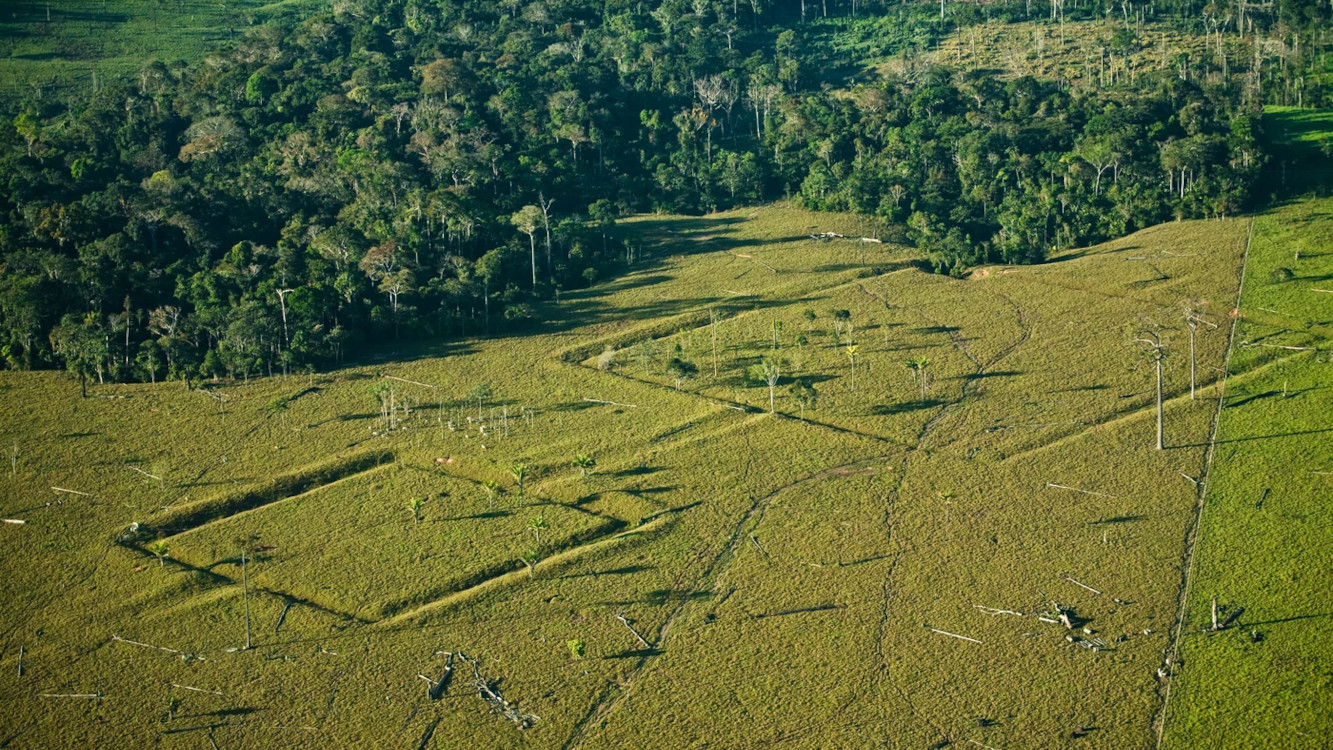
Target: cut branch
{"points": [[195, 689], [952, 635], [141, 471], [1083, 585], [118, 639], [1075, 489], [626, 623], [72, 492], [610, 403], [994, 611], [410, 382]]}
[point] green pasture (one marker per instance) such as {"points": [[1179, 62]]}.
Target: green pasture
{"points": [[68, 43], [798, 581], [1264, 550]]}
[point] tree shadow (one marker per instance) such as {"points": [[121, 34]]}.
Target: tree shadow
{"points": [[1293, 618], [992, 374], [638, 653], [1117, 520], [888, 410], [625, 571], [637, 471]]}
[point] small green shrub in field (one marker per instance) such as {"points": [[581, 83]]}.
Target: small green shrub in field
{"points": [[577, 647]]}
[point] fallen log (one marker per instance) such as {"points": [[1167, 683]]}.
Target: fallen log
{"points": [[489, 692], [951, 635], [627, 624]]}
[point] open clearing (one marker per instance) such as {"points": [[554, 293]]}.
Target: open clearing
{"points": [[800, 582], [81, 42]]}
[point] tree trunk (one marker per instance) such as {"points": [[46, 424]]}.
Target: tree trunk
{"points": [[532, 241], [1159, 403], [245, 583]]}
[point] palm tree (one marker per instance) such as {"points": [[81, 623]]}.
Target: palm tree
{"points": [[415, 505], [919, 366], [772, 372], [492, 488], [519, 472], [537, 523], [584, 462], [681, 370], [526, 221], [851, 355], [804, 393], [160, 548], [530, 559]]}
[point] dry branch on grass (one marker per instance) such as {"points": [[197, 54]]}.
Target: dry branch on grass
{"points": [[164, 649], [951, 635], [626, 623], [1053, 485], [410, 382], [1082, 585], [994, 611], [489, 692], [609, 403], [72, 492], [195, 689]]}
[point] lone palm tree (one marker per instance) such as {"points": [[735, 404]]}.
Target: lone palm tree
{"points": [[537, 523], [530, 559], [520, 473], [851, 355], [492, 488], [584, 462], [160, 548], [919, 366], [415, 505], [772, 372]]}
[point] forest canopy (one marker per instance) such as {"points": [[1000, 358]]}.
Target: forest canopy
{"points": [[394, 169]]}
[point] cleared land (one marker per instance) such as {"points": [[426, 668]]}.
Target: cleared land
{"points": [[64, 43], [787, 573]]}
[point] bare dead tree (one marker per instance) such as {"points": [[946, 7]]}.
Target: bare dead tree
{"points": [[1151, 341]]}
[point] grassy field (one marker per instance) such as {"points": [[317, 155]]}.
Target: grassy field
{"points": [[65, 43], [797, 581], [1264, 550], [1082, 54]]}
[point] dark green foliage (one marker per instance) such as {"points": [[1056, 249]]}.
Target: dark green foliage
{"points": [[358, 175]]}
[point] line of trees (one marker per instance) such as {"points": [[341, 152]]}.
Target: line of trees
{"points": [[395, 169]]}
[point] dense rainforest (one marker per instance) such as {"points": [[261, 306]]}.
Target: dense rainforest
{"points": [[404, 169]]}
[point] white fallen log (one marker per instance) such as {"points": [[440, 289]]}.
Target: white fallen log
{"points": [[1075, 489], [952, 635], [1083, 585], [610, 403]]}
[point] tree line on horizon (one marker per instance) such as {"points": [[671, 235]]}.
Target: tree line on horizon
{"points": [[409, 169]]}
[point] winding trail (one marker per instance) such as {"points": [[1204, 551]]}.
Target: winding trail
{"points": [[891, 499]]}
